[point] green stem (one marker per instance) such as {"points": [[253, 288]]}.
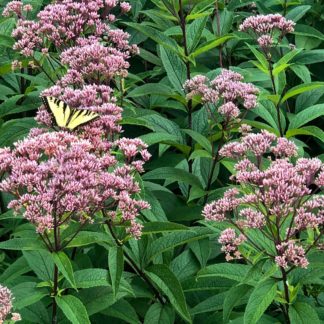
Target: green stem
{"points": [[188, 70], [220, 50], [275, 92], [132, 263], [285, 307], [54, 294]]}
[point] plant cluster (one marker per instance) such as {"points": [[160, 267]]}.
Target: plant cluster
{"points": [[195, 194]]}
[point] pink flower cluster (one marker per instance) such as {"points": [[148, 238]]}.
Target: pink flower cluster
{"points": [[230, 243], [61, 175], [226, 89], [16, 8], [291, 254], [91, 62], [259, 144], [271, 192], [64, 22], [6, 299], [264, 28], [56, 176]]}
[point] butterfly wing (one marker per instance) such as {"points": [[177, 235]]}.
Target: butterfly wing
{"points": [[80, 117], [59, 109], [67, 117]]}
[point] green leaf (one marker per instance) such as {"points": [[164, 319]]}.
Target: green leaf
{"points": [[164, 278], [151, 89], [260, 299], [73, 309], [306, 116], [41, 263], [123, 310], [200, 139], [210, 45], [174, 67], [22, 244], [10, 215], [300, 89], [14, 270], [157, 36], [302, 313], [88, 278], [160, 227], [194, 32], [210, 304], [174, 175], [158, 314], [116, 266], [26, 294], [261, 59], [171, 240], [302, 72], [297, 13], [65, 267], [308, 130], [15, 129], [310, 57], [87, 238], [232, 299], [225, 270]]}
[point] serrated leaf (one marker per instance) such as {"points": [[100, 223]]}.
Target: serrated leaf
{"points": [[158, 314], [306, 116], [73, 309], [260, 299], [301, 89], [174, 175], [116, 266], [65, 267], [302, 313], [225, 270], [164, 278], [232, 299]]}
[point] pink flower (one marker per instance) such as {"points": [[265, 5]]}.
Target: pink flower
{"points": [[265, 41], [230, 243], [228, 86], [284, 148], [218, 210], [266, 24], [6, 299], [125, 7], [258, 143], [291, 254], [254, 219], [229, 110]]}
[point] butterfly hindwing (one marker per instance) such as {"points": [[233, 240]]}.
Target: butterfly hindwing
{"points": [[67, 117], [80, 117]]}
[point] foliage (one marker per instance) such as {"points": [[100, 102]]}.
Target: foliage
{"points": [[108, 258]]}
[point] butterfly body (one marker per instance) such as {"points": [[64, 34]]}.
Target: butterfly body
{"points": [[67, 117]]}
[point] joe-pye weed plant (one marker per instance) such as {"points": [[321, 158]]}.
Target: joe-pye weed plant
{"points": [[222, 100]]}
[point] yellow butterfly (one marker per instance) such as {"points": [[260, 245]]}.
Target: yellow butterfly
{"points": [[67, 117]]}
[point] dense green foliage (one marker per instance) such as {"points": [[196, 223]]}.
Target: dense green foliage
{"points": [[176, 272]]}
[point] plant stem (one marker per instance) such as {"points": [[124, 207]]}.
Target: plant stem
{"points": [[212, 170], [285, 8], [188, 70], [56, 272], [275, 92], [220, 50], [285, 306], [133, 264], [54, 293]]}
